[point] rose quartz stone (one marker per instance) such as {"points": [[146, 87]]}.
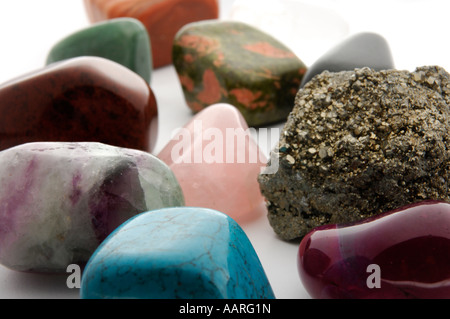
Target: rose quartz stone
{"points": [[217, 161]]}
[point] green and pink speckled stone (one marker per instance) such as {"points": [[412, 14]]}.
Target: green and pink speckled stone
{"points": [[234, 63]]}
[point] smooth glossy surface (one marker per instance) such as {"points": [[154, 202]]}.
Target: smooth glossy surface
{"points": [[59, 201], [235, 63], [365, 49], [122, 40], [217, 161], [162, 18], [411, 247], [85, 99], [177, 253]]}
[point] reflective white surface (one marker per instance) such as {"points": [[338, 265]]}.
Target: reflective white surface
{"points": [[417, 32]]}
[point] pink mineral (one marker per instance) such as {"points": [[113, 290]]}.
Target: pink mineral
{"points": [[217, 161]]}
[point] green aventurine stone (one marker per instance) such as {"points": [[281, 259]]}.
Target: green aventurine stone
{"points": [[234, 63], [123, 40]]}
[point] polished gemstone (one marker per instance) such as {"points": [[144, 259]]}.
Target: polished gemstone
{"points": [[162, 18], [401, 254], [176, 253], [122, 40], [366, 49], [85, 99], [217, 162], [235, 63], [59, 201]]}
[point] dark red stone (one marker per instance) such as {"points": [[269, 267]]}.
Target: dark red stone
{"points": [[85, 99], [411, 246]]}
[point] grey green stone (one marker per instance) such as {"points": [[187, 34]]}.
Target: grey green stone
{"points": [[122, 40], [365, 49]]}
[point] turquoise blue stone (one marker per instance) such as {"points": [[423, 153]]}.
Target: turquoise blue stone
{"points": [[176, 253]]}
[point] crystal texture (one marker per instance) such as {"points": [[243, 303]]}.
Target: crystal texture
{"points": [[359, 143], [217, 162], [84, 99], [122, 40], [162, 18], [401, 254], [59, 201], [235, 63], [176, 253]]}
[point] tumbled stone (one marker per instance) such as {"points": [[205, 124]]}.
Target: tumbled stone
{"points": [[59, 201], [176, 253], [217, 162], [359, 143], [85, 99], [122, 40], [162, 19], [402, 254], [235, 63], [361, 50]]}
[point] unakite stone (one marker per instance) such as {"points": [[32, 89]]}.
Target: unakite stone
{"points": [[176, 253], [235, 63], [365, 49], [122, 40], [59, 201]]}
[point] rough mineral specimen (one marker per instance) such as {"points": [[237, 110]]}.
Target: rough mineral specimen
{"points": [[122, 40], [361, 50], [162, 18], [401, 254], [360, 143], [176, 253], [235, 63], [217, 163], [84, 99], [59, 201]]}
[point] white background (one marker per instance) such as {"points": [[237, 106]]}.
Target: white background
{"points": [[417, 31]]}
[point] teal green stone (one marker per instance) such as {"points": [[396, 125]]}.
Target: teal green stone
{"points": [[122, 40], [176, 253]]}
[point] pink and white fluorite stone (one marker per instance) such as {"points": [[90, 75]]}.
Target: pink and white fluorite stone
{"points": [[217, 161]]}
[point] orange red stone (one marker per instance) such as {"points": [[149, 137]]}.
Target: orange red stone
{"points": [[162, 18]]}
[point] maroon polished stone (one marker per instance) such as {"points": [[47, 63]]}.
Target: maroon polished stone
{"points": [[86, 99], [401, 254]]}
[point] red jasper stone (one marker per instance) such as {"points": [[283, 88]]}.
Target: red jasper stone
{"points": [[85, 99], [162, 18], [401, 254]]}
